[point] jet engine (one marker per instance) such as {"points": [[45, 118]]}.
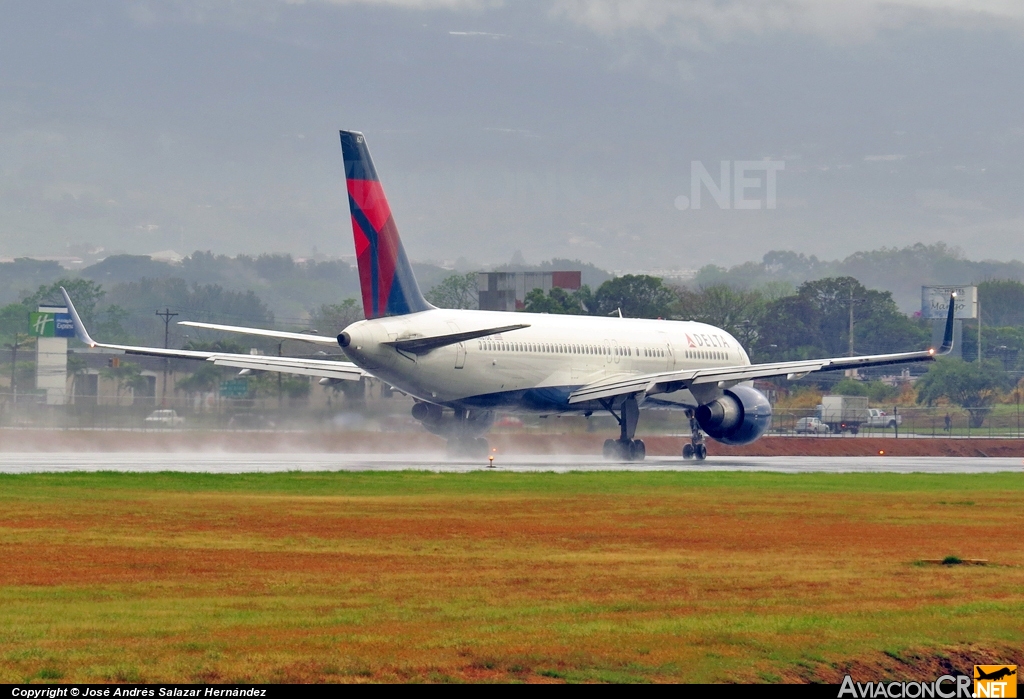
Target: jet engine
{"points": [[739, 416]]}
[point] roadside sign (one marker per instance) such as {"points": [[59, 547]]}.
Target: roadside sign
{"points": [[235, 388], [935, 302], [43, 324]]}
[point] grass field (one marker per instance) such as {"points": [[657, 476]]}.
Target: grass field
{"points": [[493, 576]]}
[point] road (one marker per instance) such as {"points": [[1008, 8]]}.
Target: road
{"points": [[220, 462]]}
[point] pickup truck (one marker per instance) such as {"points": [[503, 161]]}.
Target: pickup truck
{"points": [[164, 418], [880, 418]]}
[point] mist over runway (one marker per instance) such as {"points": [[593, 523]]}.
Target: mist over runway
{"points": [[223, 462]]}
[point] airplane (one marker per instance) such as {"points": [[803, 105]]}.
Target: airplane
{"points": [[995, 675], [461, 366]]}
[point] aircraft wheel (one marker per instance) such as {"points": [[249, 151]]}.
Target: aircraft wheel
{"points": [[701, 452], [610, 450], [637, 450], [688, 451]]}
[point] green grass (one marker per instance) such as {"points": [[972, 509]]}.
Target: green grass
{"points": [[395, 483]]}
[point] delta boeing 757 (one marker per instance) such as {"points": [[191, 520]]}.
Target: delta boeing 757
{"points": [[461, 366]]}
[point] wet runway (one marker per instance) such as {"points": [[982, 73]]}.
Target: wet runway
{"points": [[218, 462]]}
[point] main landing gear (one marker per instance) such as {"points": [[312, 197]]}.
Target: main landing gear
{"points": [[696, 448], [463, 428], [625, 448], [462, 440]]}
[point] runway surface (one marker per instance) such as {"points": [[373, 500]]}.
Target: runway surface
{"points": [[220, 462]]}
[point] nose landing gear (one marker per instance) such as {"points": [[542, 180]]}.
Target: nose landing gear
{"points": [[625, 448], [696, 448]]}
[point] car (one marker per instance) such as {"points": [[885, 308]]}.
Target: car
{"points": [[164, 418], [811, 425]]}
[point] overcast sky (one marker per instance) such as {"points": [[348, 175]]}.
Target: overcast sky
{"points": [[560, 127]]}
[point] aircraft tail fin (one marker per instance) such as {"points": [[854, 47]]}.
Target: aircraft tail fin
{"points": [[385, 275]]}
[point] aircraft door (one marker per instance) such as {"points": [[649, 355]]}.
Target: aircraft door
{"points": [[670, 356], [460, 349]]}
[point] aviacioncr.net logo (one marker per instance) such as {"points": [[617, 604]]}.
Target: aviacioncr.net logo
{"points": [[995, 681], [945, 687]]}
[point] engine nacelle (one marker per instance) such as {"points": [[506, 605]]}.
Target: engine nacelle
{"points": [[738, 417]]}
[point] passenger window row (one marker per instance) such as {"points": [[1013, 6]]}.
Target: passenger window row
{"points": [[706, 354], [553, 348]]}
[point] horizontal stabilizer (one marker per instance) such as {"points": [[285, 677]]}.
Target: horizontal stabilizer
{"points": [[422, 345], [323, 368], [276, 334]]}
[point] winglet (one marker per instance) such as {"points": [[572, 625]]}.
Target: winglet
{"points": [[947, 338], [80, 330]]}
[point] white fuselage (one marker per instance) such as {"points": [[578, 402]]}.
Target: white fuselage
{"points": [[536, 368]]}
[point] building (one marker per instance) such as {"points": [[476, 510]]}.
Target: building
{"points": [[506, 291]]}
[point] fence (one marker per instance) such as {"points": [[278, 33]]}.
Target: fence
{"points": [[203, 411], [1002, 421]]}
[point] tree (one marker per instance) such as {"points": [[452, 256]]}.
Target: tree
{"points": [[789, 329], [226, 346], [635, 295], [77, 366], [559, 301], [111, 325], [455, 291], [126, 376], [737, 311], [876, 391], [126, 268], [973, 386], [203, 380], [816, 322], [13, 320], [84, 293], [21, 373], [1002, 302], [331, 318]]}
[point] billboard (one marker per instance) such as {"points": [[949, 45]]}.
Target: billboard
{"points": [[935, 302], [43, 324]]}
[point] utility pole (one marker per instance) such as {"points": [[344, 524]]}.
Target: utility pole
{"points": [[166, 315], [851, 321]]}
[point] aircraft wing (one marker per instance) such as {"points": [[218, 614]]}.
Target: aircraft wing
{"points": [[724, 377], [324, 368]]}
